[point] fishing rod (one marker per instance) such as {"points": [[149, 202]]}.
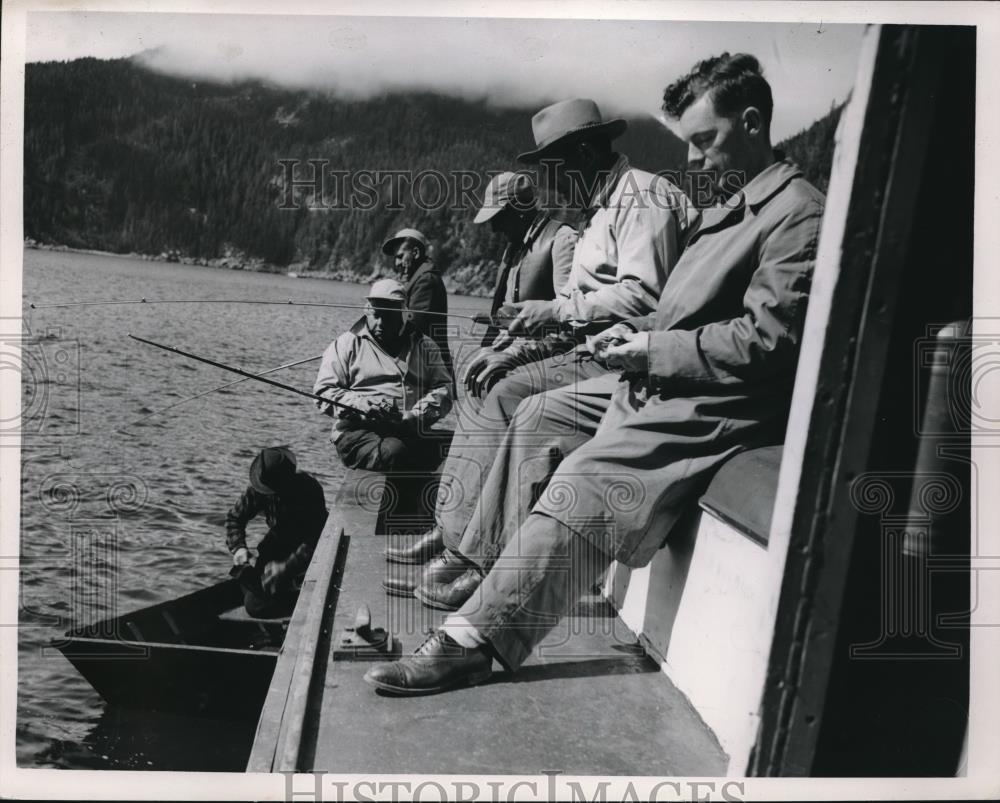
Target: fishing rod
{"points": [[287, 303], [187, 399], [259, 378]]}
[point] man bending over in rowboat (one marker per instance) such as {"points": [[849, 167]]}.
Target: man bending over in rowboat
{"points": [[294, 507], [380, 363]]}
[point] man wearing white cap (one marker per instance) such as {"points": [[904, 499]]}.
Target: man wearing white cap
{"points": [[426, 299], [395, 379], [535, 264]]}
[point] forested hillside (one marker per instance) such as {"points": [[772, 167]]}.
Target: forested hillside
{"points": [[122, 159]]}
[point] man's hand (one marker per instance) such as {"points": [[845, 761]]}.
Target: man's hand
{"points": [[632, 355], [494, 367], [502, 340], [532, 316], [271, 577], [599, 344], [384, 411], [409, 423], [476, 364], [241, 557]]}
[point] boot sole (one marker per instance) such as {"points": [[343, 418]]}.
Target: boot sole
{"points": [[430, 602], [459, 683], [397, 592], [406, 560]]}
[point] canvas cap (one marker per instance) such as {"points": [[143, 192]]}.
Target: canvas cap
{"points": [[568, 118], [388, 290], [516, 189], [389, 246], [271, 468]]}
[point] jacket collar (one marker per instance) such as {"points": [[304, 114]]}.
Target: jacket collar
{"points": [[602, 193], [755, 195], [360, 329], [769, 182], [427, 266]]}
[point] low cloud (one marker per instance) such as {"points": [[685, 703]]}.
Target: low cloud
{"points": [[624, 65]]}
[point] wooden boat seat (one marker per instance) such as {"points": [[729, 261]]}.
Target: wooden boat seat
{"points": [[742, 492]]}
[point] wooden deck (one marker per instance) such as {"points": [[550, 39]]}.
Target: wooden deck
{"points": [[590, 702]]}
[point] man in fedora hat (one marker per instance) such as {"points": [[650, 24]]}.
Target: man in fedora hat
{"points": [[635, 224], [294, 508], [706, 376], [535, 264], [426, 299], [395, 380]]}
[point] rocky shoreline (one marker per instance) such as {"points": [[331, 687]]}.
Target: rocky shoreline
{"points": [[466, 281]]}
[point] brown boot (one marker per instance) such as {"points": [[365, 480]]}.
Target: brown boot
{"points": [[449, 596], [420, 551]]}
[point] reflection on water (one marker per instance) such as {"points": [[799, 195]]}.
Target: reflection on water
{"points": [[112, 521], [124, 739]]}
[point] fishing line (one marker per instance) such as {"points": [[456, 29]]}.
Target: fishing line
{"points": [[162, 410], [286, 303], [248, 375]]}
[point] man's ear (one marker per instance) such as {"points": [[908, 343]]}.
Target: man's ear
{"points": [[752, 120]]}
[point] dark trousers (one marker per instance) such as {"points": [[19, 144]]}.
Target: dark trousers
{"points": [[278, 544], [382, 449]]}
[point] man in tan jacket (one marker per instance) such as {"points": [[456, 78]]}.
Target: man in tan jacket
{"points": [[393, 377]]}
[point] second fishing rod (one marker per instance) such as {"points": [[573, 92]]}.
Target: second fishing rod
{"points": [[369, 415]]}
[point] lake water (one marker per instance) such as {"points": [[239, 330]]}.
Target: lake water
{"points": [[155, 492]]}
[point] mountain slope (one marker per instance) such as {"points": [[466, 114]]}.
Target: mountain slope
{"points": [[122, 159]]}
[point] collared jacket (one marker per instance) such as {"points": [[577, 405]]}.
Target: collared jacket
{"points": [[731, 315], [356, 369], [632, 236], [427, 305], [724, 345]]}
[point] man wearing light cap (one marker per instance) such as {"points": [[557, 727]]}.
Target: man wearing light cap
{"points": [[293, 505], [426, 300], [535, 264], [391, 383]]}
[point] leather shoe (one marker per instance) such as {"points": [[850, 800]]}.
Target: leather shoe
{"points": [[449, 596], [420, 551], [400, 581], [438, 665], [443, 569]]}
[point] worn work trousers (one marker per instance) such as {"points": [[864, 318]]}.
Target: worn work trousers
{"points": [[532, 585], [480, 434], [544, 430]]}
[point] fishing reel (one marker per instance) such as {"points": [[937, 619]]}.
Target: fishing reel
{"points": [[384, 411]]}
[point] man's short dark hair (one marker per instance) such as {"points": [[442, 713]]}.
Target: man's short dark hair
{"points": [[735, 81]]}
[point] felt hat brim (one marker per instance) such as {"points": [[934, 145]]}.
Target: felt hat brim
{"points": [[612, 128]]}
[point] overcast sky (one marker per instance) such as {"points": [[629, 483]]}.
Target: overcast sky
{"points": [[624, 65]]}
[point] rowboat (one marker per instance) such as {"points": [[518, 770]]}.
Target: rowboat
{"points": [[198, 654]]}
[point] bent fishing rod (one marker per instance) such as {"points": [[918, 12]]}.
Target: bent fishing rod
{"points": [[258, 377]]}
